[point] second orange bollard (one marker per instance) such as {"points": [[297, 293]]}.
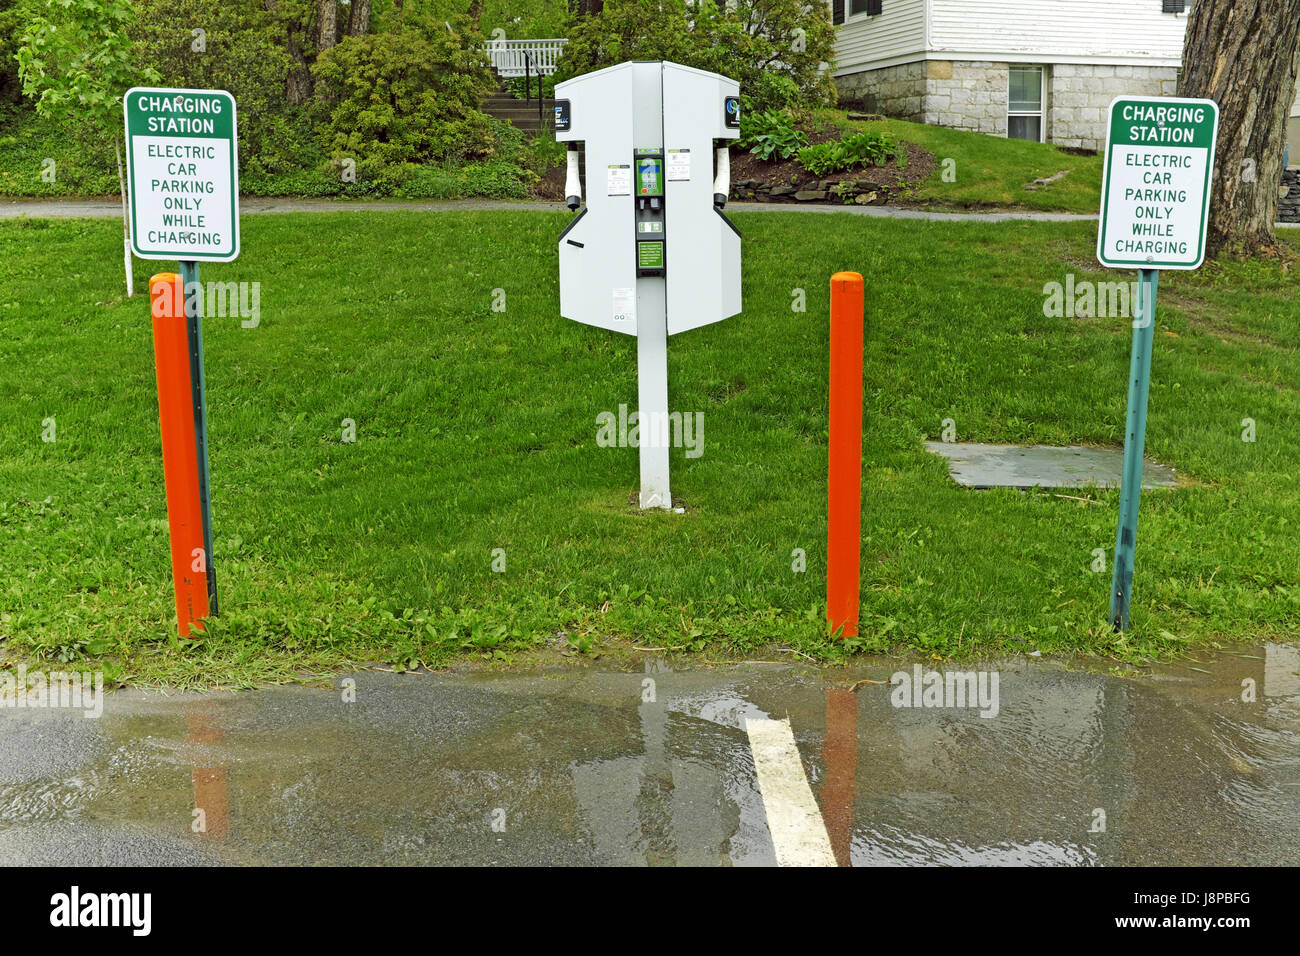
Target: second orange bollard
{"points": [[844, 500]]}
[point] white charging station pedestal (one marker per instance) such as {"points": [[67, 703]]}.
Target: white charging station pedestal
{"points": [[651, 254]]}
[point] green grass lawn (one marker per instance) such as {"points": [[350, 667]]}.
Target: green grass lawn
{"points": [[990, 170], [476, 430]]}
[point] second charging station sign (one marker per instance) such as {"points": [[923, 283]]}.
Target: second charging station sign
{"points": [[1155, 197], [183, 164]]}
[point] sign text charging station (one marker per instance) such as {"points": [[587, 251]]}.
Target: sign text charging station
{"points": [[651, 255], [1155, 205], [183, 188]]}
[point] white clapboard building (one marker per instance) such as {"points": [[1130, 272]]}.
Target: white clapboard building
{"points": [[1293, 126], [1027, 69]]}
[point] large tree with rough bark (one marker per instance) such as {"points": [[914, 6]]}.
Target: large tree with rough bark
{"points": [[359, 18], [327, 24], [1243, 55]]}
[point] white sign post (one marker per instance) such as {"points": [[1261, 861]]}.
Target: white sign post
{"points": [[1155, 206]]}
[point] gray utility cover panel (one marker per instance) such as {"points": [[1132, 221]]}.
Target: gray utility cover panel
{"points": [[616, 112], [1043, 466]]}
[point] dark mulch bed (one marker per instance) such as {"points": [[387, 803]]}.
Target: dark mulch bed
{"points": [[551, 186], [888, 182]]}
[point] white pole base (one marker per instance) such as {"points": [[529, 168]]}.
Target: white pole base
{"points": [[652, 391]]}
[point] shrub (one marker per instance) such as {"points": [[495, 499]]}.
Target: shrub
{"points": [[774, 48], [514, 85], [407, 96], [238, 50], [770, 134], [538, 152], [868, 149], [14, 17], [544, 152], [860, 149], [821, 159], [495, 179]]}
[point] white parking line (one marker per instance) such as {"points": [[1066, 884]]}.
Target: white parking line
{"points": [[798, 831]]}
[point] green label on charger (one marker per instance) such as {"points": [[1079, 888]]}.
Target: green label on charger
{"points": [[650, 255]]}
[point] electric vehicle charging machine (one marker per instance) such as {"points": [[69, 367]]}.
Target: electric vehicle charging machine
{"points": [[651, 254]]}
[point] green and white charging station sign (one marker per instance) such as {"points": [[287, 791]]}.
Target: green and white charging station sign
{"points": [[183, 168], [1155, 199]]}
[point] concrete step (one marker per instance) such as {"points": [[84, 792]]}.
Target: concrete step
{"points": [[509, 102], [522, 114], [519, 106]]}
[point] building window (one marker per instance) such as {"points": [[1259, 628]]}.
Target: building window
{"points": [[1025, 103], [871, 8]]}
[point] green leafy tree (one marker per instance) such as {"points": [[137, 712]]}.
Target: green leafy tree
{"points": [[14, 15], [236, 46], [774, 48], [76, 62], [525, 19]]}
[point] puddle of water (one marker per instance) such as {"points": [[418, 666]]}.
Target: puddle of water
{"points": [[1195, 764]]}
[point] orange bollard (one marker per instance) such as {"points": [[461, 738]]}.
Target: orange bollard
{"points": [[844, 499], [180, 458]]}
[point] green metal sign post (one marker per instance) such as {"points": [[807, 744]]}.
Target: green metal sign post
{"points": [[1135, 433], [1155, 204], [194, 333]]}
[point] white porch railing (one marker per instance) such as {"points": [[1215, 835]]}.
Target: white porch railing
{"points": [[508, 56]]}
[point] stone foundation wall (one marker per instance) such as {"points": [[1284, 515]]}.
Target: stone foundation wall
{"points": [[1288, 204], [967, 94], [894, 91], [836, 190], [1079, 94], [972, 95]]}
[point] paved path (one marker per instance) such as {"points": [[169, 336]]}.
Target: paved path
{"points": [[758, 763], [112, 209], [255, 205]]}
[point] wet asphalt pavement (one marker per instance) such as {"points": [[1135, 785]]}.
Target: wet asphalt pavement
{"points": [[578, 765]]}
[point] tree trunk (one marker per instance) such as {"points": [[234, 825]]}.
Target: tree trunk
{"points": [[298, 84], [296, 35], [327, 24], [1243, 55], [359, 18]]}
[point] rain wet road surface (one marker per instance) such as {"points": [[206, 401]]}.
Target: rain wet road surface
{"points": [[747, 764]]}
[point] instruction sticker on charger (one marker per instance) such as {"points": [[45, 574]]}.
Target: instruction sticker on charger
{"points": [[625, 305], [679, 164], [619, 180]]}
